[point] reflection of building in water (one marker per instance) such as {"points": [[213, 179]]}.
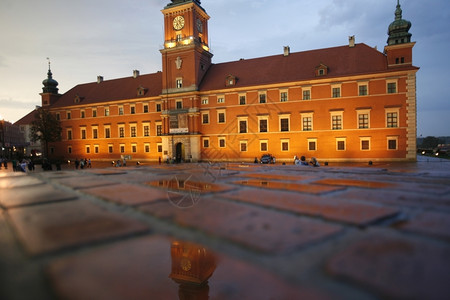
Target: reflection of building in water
{"points": [[192, 266]]}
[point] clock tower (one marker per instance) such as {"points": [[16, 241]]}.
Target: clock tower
{"points": [[186, 56]]}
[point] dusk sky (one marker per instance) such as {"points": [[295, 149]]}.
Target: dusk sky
{"points": [[111, 38]]}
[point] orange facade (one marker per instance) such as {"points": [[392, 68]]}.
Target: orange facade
{"points": [[348, 103]]}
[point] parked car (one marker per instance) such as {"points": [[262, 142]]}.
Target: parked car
{"points": [[266, 159]]}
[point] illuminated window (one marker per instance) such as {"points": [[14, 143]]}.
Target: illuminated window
{"points": [[179, 83], [205, 101], [220, 99], [158, 128], [307, 121], [284, 123], [120, 110], [106, 111], [392, 120]]}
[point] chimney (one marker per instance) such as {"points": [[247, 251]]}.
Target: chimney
{"points": [[351, 41], [135, 73], [99, 79], [287, 50]]}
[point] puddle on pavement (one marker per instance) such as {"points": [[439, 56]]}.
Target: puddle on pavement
{"points": [[188, 185], [276, 176], [295, 187], [160, 268]]}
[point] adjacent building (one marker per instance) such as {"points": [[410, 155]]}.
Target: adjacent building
{"points": [[345, 103]]}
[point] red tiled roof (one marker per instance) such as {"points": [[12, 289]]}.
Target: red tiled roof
{"points": [[27, 119], [341, 61], [112, 90]]}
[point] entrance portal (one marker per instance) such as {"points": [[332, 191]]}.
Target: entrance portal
{"points": [[179, 152]]}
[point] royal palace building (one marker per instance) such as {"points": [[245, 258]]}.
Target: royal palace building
{"points": [[346, 103]]}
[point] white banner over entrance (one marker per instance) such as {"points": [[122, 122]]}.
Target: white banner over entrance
{"points": [[178, 130]]}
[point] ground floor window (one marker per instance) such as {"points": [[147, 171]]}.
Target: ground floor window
{"points": [[243, 146], [392, 143], [312, 144]]}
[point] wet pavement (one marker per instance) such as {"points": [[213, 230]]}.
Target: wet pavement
{"points": [[227, 231]]}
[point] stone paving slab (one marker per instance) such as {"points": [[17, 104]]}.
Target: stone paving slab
{"points": [[18, 181], [81, 182], [127, 194], [428, 223], [142, 267], [251, 227], [395, 266], [289, 186], [334, 209], [32, 195], [57, 226]]}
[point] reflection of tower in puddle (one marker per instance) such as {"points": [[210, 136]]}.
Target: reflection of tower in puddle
{"points": [[192, 266]]}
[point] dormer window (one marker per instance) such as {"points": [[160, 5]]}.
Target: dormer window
{"points": [[77, 99], [321, 70], [230, 80], [141, 91]]}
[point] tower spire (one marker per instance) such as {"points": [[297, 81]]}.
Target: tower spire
{"points": [[399, 29], [50, 85]]}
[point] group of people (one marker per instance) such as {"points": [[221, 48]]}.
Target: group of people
{"points": [[83, 163], [18, 165], [302, 161], [119, 163]]}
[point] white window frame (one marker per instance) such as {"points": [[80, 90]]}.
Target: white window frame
{"points": [[206, 113], [220, 99], [143, 128], [260, 93], [306, 89], [205, 101], [336, 86], [287, 95], [120, 110], [244, 142], [282, 141], [363, 112], [392, 138], [387, 86], [337, 113], [239, 119], [361, 139], [342, 139], [96, 149], [221, 138], [203, 143], [314, 140], [260, 118], [366, 84], [392, 110], [222, 111], [147, 146], [261, 142], [94, 128], [133, 125], [284, 116], [307, 115]]}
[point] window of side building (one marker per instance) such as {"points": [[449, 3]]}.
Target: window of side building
{"points": [[120, 110], [335, 91], [284, 122], [263, 145], [392, 117], [221, 116], [284, 145], [363, 89], [94, 132], [121, 128], [307, 121], [206, 142], [312, 144], [242, 124], [106, 111], [263, 123], [133, 132], [69, 115], [262, 97], [83, 133], [222, 142], [242, 100], [283, 96], [205, 117], [341, 144], [146, 129], [96, 149], [158, 128], [392, 142], [364, 143], [221, 99], [82, 114], [69, 134], [306, 93], [336, 120], [107, 131], [179, 83], [69, 149], [205, 101], [158, 107], [243, 146], [179, 104], [88, 149], [363, 118], [391, 86]]}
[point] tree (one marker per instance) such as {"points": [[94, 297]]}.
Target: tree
{"points": [[45, 128], [431, 142]]}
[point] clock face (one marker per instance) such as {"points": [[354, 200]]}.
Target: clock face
{"points": [[178, 22], [199, 25]]}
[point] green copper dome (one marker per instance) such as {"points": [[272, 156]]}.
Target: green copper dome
{"points": [[50, 85], [399, 29]]}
